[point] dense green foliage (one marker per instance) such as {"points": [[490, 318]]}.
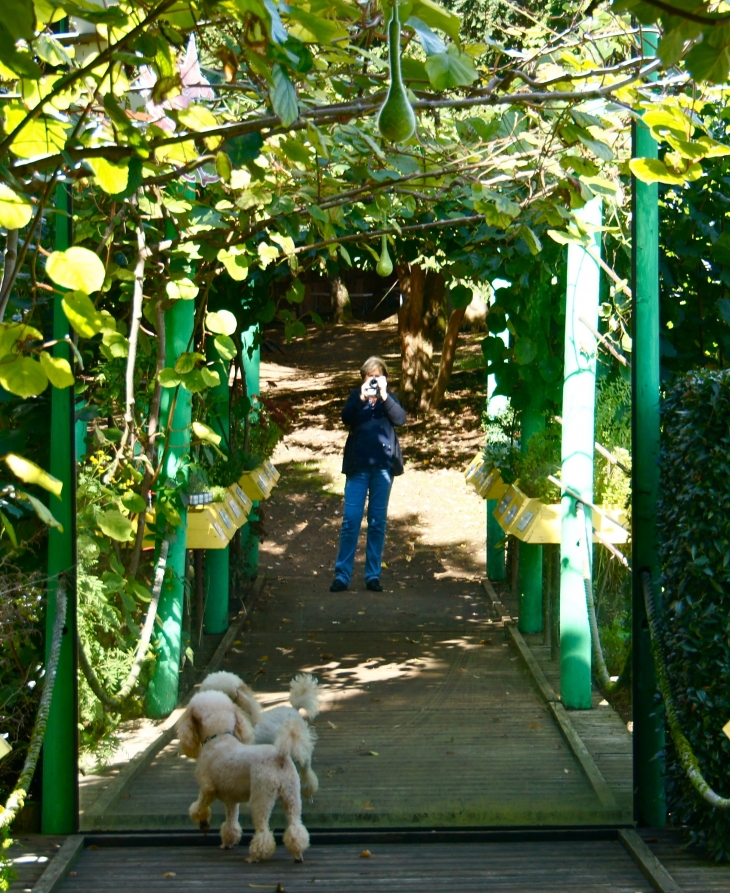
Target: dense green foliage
{"points": [[694, 524]]}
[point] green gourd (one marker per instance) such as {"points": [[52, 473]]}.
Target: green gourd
{"points": [[385, 264], [397, 120]]}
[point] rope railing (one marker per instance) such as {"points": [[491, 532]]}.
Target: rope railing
{"points": [[110, 700], [16, 799], [687, 757]]}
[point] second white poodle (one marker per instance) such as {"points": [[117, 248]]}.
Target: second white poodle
{"points": [[230, 768], [303, 694]]}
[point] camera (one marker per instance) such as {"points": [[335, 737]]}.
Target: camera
{"points": [[371, 388]]}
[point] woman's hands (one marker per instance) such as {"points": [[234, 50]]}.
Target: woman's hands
{"points": [[382, 384]]}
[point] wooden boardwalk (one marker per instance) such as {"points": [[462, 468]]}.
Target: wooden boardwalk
{"points": [[534, 867], [430, 718]]}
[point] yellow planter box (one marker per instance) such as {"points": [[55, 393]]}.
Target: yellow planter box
{"points": [[509, 506], [239, 505], [209, 527], [271, 471], [255, 484], [235, 510], [537, 523], [486, 481]]}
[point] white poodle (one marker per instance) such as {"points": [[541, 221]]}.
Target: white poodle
{"points": [[231, 768], [303, 693]]}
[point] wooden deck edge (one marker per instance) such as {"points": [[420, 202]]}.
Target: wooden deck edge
{"points": [[647, 862], [568, 730], [60, 865], [108, 799]]}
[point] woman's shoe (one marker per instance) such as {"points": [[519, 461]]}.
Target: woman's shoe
{"points": [[374, 585], [338, 586]]}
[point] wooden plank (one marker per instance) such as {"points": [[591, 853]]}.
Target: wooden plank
{"points": [[652, 869], [60, 865]]}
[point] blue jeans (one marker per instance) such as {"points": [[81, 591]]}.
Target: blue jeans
{"points": [[377, 482]]}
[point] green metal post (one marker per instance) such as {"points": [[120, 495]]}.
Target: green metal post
{"points": [[217, 560], [579, 399], [496, 570], [530, 560], [175, 409], [650, 798], [60, 748], [495, 545], [252, 370]]}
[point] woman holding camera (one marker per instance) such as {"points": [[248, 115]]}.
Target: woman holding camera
{"points": [[372, 459]]}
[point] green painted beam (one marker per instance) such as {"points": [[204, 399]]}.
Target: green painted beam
{"points": [[529, 578], [648, 738], [217, 581], [496, 570], [175, 409], [60, 747], [252, 371], [579, 403]]}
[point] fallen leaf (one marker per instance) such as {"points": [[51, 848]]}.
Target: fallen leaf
{"points": [[373, 753], [567, 771], [360, 612], [325, 656], [375, 700], [533, 725], [365, 854], [237, 642], [383, 564], [265, 657], [72, 874], [286, 619], [330, 724], [169, 874], [450, 752]]}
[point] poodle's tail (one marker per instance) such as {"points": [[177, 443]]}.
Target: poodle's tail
{"points": [[304, 693], [296, 739]]}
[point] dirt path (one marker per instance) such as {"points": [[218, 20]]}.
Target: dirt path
{"points": [[436, 524]]}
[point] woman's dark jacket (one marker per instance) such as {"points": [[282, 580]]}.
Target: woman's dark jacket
{"points": [[372, 441]]}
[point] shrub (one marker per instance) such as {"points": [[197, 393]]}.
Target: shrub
{"points": [[694, 525]]}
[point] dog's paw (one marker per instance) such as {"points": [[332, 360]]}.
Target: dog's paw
{"points": [[299, 860], [204, 826]]}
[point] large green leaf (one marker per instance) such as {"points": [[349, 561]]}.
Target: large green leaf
{"points": [[221, 322], [653, 170], [437, 17], [30, 473], [116, 526], [112, 177], [57, 369], [450, 69], [236, 261], [23, 376], [15, 211], [41, 511], [284, 97], [181, 289], [82, 314], [525, 351], [226, 347], [76, 269], [206, 433]]}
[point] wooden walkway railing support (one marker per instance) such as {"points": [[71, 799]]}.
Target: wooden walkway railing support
{"points": [[175, 409], [649, 723], [530, 562], [59, 799], [579, 400]]}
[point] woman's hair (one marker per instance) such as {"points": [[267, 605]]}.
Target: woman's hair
{"points": [[372, 364]]}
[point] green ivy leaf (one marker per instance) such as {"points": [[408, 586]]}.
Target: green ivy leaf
{"points": [[181, 290], [168, 378], [133, 502], [112, 177], [450, 69], [525, 351]]}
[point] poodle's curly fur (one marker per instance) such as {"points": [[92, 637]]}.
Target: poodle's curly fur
{"points": [[303, 694], [231, 768]]}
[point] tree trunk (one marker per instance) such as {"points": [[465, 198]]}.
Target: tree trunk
{"points": [[341, 301], [423, 293], [447, 358]]}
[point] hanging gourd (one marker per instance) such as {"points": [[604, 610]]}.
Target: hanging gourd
{"points": [[385, 264], [397, 120]]}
